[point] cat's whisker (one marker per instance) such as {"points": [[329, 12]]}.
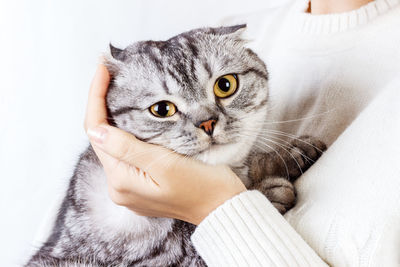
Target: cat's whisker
{"points": [[255, 130], [291, 120], [167, 164], [283, 147], [262, 148], [287, 151], [132, 155], [296, 138], [289, 145], [164, 156], [266, 136], [158, 161], [274, 150], [171, 161]]}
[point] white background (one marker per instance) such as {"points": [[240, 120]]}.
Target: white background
{"points": [[48, 54]]}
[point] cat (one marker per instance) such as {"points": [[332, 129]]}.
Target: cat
{"points": [[203, 94]]}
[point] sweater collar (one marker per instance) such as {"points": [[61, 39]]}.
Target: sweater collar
{"points": [[338, 22]]}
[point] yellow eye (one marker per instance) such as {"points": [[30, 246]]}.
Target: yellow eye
{"points": [[163, 109], [226, 85]]}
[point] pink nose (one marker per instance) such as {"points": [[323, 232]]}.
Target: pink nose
{"points": [[208, 126]]}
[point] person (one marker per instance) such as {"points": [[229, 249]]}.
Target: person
{"points": [[333, 74]]}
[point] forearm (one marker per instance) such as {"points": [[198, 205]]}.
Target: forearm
{"points": [[248, 231]]}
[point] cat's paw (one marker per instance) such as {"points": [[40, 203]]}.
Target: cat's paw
{"points": [[301, 154], [289, 160], [279, 191]]}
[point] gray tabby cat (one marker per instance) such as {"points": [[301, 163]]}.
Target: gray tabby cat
{"points": [[202, 94]]}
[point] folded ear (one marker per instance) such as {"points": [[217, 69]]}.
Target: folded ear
{"points": [[235, 29], [113, 60], [117, 53]]}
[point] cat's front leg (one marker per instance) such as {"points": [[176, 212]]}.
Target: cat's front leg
{"points": [[273, 173]]}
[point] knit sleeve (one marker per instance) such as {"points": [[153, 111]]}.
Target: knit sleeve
{"points": [[248, 231]]}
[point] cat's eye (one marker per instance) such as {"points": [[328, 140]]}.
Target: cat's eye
{"points": [[226, 85], [163, 109]]}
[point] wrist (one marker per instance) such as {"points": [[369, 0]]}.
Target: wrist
{"points": [[202, 211]]}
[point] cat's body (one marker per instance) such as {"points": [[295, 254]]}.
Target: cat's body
{"points": [[111, 235], [207, 121]]}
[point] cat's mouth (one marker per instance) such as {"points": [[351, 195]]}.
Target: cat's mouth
{"points": [[214, 142]]}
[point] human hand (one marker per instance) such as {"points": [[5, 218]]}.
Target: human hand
{"points": [[176, 187]]}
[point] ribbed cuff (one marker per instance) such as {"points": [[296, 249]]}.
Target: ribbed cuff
{"points": [[248, 231]]}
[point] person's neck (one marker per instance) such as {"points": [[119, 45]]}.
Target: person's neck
{"points": [[335, 6]]}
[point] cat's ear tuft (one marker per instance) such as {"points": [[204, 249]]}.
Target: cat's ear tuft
{"points": [[117, 53]]}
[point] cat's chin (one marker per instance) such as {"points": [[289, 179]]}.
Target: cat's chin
{"points": [[229, 154]]}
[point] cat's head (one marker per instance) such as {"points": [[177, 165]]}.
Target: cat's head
{"points": [[202, 93]]}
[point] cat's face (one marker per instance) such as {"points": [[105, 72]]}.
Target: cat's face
{"points": [[201, 93]]}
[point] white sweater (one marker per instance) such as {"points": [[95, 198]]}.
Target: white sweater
{"points": [[333, 77]]}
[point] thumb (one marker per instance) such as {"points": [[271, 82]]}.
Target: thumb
{"points": [[125, 147]]}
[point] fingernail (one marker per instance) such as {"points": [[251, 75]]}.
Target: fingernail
{"points": [[97, 134]]}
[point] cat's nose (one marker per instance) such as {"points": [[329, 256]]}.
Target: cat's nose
{"points": [[207, 126]]}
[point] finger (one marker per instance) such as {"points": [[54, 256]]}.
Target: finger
{"points": [[123, 178], [96, 112], [125, 147]]}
